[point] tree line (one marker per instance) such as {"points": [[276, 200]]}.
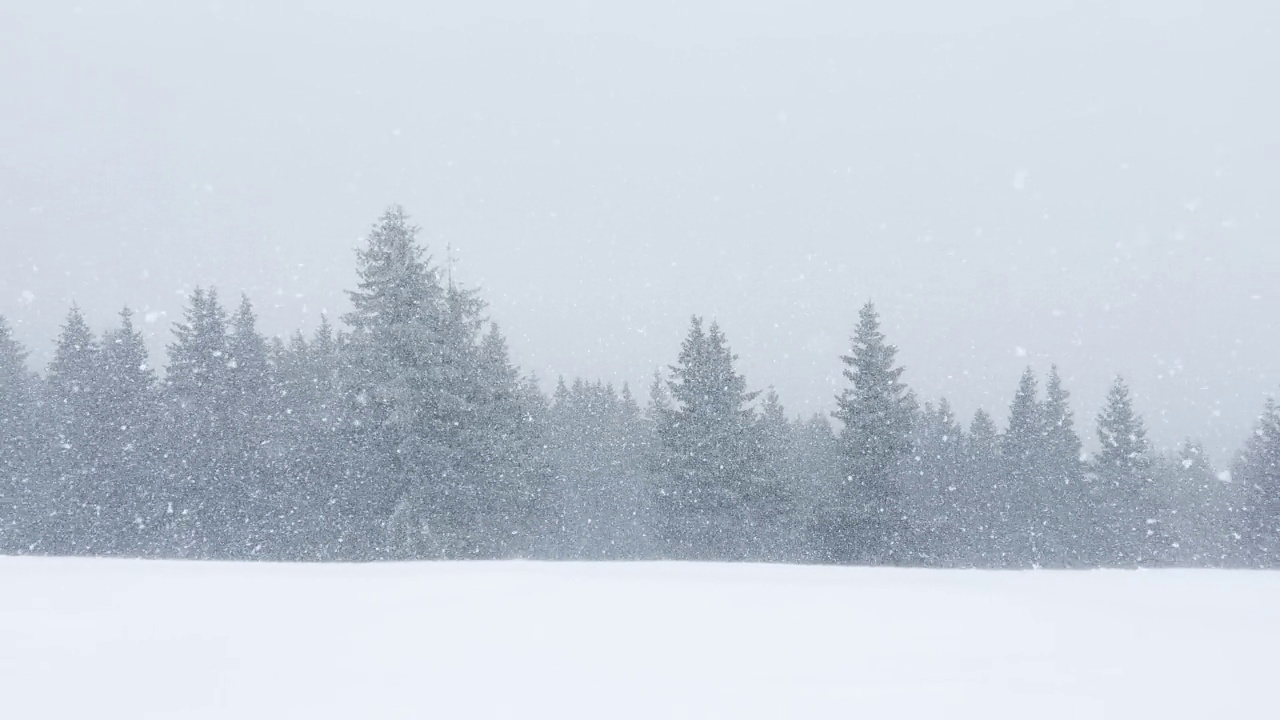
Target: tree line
{"points": [[409, 434]]}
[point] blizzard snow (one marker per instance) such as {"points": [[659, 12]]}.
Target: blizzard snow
{"points": [[130, 639]]}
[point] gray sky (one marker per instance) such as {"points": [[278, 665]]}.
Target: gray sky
{"points": [[1087, 183]]}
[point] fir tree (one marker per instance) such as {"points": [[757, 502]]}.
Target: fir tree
{"points": [[869, 521], [1069, 513], [200, 492], [1124, 473], [79, 494], [1023, 509], [257, 476], [817, 477], [439, 405], [19, 432], [712, 488], [1063, 444], [937, 510], [318, 523], [503, 461], [1200, 514], [248, 362], [983, 494], [598, 442], [776, 533], [1258, 472], [129, 417], [403, 397]]}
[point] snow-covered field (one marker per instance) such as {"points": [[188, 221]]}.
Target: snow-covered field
{"points": [[126, 639]]}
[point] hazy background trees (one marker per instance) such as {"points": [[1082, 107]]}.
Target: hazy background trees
{"points": [[409, 433]]}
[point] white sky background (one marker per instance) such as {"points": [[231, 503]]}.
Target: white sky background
{"points": [[1087, 183]]}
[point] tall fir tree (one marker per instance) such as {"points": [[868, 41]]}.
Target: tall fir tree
{"points": [[983, 494], [199, 494], [319, 523], [598, 440], [129, 417], [778, 535], [1257, 470], [1069, 513], [20, 516], [712, 494], [1200, 511], [1124, 475], [1023, 512], [937, 503], [403, 400], [503, 461], [79, 494], [818, 472], [440, 408], [256, 473], [868, 522]]}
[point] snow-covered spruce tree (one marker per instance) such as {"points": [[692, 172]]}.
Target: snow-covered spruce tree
{"points": [[404, 403], [1258, 472], [982, 495], [503, 467], [581, 452], [711, 495], [199, 491], [338, 457], [437, 407], [252, 463], [1199, 512], [290, 528], [20, 518], [937, 508], [634, 537], [817, 469], [1196, 507], [249, 363], [129, 422], [1023, 509], [596, 441], [778, 534], [76, 494], [1124, 475], [867, 522], [1070, 515], [314, 459]]}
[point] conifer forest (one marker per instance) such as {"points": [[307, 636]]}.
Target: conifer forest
{"points": [[403, 430]]}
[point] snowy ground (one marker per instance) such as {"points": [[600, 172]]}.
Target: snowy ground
{"points": [[125, 639]]}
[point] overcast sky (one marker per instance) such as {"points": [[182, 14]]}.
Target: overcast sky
{"points": [[1088, 183]]}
